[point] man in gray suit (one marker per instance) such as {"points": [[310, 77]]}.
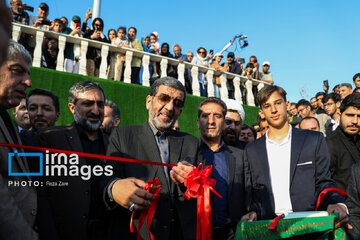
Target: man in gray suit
{"points": [[175, 217], [17, 203]]}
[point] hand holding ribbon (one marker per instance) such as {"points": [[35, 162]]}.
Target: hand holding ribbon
{"points": [[153, 187], [199, 186]]}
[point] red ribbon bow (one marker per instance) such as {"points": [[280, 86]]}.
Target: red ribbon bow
{"points": [[199, 186], [153, 187]]}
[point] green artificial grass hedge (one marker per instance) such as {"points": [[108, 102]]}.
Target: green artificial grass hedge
{"points": [[130, 99]]}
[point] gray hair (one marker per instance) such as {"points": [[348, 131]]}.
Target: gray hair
{"points": [[167, 81], [115, 112], [16, 51], [81, 87], [348, 85]]}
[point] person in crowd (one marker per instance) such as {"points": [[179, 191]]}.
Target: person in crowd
{"points": [[178, 55], [21, 116], [228, 163], [77, 211], [44, 111], [353, 202], [49, 53], [235, 68], [111, 117], [18, 13], [304, 111], [58, 26], [294, 119], [189, 57], [332, 103], [310, 123], [154, 42], [72, 51], [182, 58], [165, 51], [41, 21], [120, 41], [314, 105], [265, 75], [356, 80], [345, 141], [154, 141], [216, 65], [93, 55], [247, 134], [65, 22], [345, 89], [234, 117], [336, 89], [256, 67], [18, 204], [286, 185], [202, 60], [135, 62], [293, 109], [320, 107], [112, 37]]}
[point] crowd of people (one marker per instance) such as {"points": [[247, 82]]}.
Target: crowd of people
{"points": [[127, 37], [296, 152]]}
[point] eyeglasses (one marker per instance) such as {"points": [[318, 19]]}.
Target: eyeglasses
{"points": [[165, 99], [189, 55], [230, 121], [201, 52]]}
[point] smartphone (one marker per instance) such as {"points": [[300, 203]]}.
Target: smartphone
{"points": [[326, 84], [46, 22], [90, 10], [77, 25], [211, 51]]}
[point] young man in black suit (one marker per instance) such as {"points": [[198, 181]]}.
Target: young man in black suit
{"points": [[344, 142], [289, 167], [175, 217]]}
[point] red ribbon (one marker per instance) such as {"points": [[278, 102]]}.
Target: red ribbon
{"points": [[89, 155], [199, 186], [275, 221], [325, 191], [153, 187]]}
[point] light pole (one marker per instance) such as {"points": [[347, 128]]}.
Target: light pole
{"points": [[96, 9]]}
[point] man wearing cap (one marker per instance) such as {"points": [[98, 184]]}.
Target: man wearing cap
{"points": [[72, 51], [41, 20], [234, 118], [265, 75], [234, 67]]}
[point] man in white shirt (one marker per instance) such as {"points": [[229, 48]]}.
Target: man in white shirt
{"points": [[289, 167]]}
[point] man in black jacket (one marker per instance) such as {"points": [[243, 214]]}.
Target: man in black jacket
{"points": [[344, 143], [234, 67], [353, 202]]}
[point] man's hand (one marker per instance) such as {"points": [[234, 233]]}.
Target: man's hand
{"points": [[95, 35], [180, 172], [38, 22], [129, 191], [251, 216], [343, 216]]}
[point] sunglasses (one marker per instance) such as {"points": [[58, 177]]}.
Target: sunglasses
{"points": [[201, 52], [165, 99]]}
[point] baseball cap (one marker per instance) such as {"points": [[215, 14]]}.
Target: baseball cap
{"points": [[266, 63], [76, 18], [231, 54], [44, 6], [218, 54]]}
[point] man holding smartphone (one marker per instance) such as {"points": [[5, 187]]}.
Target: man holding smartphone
{"points": [[41, 20]]}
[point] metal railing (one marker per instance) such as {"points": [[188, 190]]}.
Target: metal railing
{"points": [[146, 57]]}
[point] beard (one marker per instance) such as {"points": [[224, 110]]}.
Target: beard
{"points": [[85, 123], [108, 128], [229, 139], [157, 124]]}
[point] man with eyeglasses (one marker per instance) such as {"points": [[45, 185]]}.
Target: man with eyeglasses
{"points": [[332, 103], [155, 141], [304, 110], [234, 117], [228, 168]]}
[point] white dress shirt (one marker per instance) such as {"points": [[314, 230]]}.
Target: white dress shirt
{"points": [[279, 155]]}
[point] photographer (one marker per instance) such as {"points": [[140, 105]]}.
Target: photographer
{"points": [[41, 20], [18, 13]]}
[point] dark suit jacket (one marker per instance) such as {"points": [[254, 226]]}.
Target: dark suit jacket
{"points": [[17, 204], [138, 142], [307, 179], [239, 183], [353, 202], [343, 154], [65, 211]]}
